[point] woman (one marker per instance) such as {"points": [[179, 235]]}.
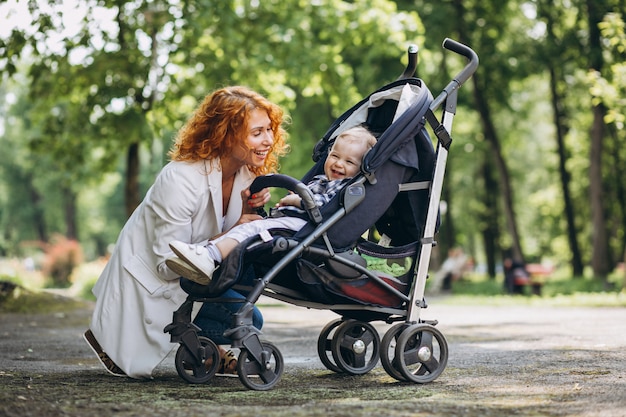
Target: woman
{"points": [[234, 135], [197, 263]]}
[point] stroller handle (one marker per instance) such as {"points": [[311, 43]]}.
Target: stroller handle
{"points": [[411, 66], [463, 75], [291, 184], [467, 52]]}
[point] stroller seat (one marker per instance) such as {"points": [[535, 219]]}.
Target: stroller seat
{"points": [[364, 255]]}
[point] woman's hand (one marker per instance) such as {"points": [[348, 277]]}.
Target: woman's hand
{"points": [[252, 202]]}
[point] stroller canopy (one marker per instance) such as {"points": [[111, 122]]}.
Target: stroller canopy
{"points": [[403, 153]]}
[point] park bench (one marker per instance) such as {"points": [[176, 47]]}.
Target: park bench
{"points": [[539, 273]]}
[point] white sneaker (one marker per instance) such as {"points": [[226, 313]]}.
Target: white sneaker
{"points": [[196, 256], [186, 270]]}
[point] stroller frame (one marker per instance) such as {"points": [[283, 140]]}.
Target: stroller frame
{"points": [[411, 350]]}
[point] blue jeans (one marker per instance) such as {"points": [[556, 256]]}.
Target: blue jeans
{"points": [[215, 318]]}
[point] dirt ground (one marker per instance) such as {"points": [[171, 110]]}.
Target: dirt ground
{"points": [[504, 361]]}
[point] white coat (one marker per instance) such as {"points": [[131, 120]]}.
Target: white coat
{"points": [[136, 293]]}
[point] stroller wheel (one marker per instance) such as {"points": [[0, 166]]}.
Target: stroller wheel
{"points": [[422, 353], [324, 343], [388, 351], [201, 368], [355, 347], [261, 376]]}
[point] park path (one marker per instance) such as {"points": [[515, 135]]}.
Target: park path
{"points": [[526, 360]]}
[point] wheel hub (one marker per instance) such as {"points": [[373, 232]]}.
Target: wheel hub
{"points": [[424, 353], [358, 346]]}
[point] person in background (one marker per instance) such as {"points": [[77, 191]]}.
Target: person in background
{"points": [[452, 269], [234, 135]]}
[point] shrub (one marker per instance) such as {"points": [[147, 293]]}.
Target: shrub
{"points": [[62, 256]]}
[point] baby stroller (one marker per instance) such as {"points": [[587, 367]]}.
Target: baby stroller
{"points": [[364, 255]]}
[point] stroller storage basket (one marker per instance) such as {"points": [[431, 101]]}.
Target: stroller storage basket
{"points": [[385, 284]]}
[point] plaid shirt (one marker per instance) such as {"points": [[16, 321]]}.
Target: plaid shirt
{"points": [[323, 191]]}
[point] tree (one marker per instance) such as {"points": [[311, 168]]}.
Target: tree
{"points": [[121, 82], [556, 54], [601, 255], [92, 88], [315, 58], [608, 90]]}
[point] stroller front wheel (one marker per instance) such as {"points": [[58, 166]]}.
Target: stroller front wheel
{"points": [[421, 353], [388, 351], [324, 345], [261, 376], [200, 367]]}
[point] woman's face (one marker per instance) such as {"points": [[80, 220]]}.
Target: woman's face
{"points": [[258, 142]]}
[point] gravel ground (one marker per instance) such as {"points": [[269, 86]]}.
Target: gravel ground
{"points": [[504, 360]]}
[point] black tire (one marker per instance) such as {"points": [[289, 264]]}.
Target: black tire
{"points": [[388, 351], [257, 376], [355, 347], [195, 372], [422, 353], [324, 343]]}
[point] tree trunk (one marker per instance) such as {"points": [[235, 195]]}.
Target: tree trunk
{"points": [[492, 138], [554, 48], [599, 238], [39, 218], [599, 260], [132, 197], [69, 205], [624, 272], [564, 175], [490, 229], [446, 240], [505, 181]]}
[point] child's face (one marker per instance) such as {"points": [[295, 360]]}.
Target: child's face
{"points": [[344, 159]]}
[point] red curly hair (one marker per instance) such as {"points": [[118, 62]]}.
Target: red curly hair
{"points": [[220, 124]]}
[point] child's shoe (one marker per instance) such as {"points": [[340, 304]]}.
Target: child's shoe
{"points": [[186, 270], [197, 256]]}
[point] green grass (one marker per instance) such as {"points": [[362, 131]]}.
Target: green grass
{"points": [[556, 290]]}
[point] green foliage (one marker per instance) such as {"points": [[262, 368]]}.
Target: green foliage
{"points": [[555, 286], [132, 71], [316, 59], [136, 77]]}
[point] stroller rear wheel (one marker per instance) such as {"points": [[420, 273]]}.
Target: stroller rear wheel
{"points": [[261, 376], [201, 367], [422, 353], [324, 345], [355, 347]]}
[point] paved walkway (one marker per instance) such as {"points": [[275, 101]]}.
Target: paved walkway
{"points": [[536, 360]]}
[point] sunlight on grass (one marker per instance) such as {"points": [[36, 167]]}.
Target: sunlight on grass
{"points": [[81, 281], [606, 299], [558, 289]]}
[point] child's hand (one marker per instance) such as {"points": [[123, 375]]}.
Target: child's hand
{"points": [[290, 200]]}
